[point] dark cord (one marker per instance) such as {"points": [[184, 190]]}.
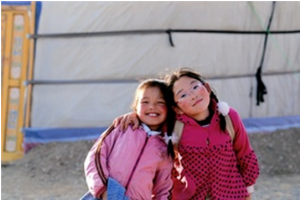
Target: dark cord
{"points": [[261, 88]]}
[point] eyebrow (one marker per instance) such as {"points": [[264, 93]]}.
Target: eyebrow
{"points": [[191, 83]]}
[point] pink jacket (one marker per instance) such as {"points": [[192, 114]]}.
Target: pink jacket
{"points": [[119, 153], [209, 164]]}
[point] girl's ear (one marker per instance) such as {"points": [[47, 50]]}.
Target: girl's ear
{"points": [[177, 110]]}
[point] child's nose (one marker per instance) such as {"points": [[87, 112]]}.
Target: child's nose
{"points": [[192, 94], [151, 105]]}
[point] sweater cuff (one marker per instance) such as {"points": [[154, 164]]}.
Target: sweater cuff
{"points": [[250, 189]]}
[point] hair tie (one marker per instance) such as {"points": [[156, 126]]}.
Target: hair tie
{"points": [[223, 108], [173, 138]]}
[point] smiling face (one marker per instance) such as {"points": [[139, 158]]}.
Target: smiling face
{"points": [[191, 97], [151, 107]]}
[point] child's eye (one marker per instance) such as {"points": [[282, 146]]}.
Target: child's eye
{"points": [[182, 96], [161, 102], [144, 102], [195, 87]]}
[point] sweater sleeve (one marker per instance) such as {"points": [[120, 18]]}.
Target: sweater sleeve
{"points": [[246, 157], [94, 182], [163, 182]]}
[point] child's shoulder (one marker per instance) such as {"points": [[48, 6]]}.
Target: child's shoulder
{"points": [[233, 114]]}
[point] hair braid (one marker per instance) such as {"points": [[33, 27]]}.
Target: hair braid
{"points": [[222, 118], [170, 126]]}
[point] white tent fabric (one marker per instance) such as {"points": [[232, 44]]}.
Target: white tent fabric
{"points": [[138, 56]]}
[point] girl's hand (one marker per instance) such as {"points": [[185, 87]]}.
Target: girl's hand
{"points": [[248, 198], [126, 120]]}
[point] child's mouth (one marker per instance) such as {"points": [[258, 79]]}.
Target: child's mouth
{"points": [[197, 102], [152, 114]]}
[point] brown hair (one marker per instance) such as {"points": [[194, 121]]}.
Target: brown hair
{"points": [[148, 83], [170, 121]]}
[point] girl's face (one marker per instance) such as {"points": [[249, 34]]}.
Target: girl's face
{"points": [[151, 107], [191, 97]]}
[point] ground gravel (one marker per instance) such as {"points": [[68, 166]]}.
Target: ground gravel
{"points": [[54, 171]]}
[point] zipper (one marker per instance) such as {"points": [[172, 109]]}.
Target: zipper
{"points": [[134, 168]]}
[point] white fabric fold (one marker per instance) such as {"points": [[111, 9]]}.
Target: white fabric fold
{"points": [[149, 131]]}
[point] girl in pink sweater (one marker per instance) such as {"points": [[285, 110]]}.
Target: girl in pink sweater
{"points": [[138, 159], [210, 165]]}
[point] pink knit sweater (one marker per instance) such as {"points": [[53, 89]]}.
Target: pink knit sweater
{"points": [[209, 165]]}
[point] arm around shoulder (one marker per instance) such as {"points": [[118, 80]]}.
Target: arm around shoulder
{"points": [[125, 120]]}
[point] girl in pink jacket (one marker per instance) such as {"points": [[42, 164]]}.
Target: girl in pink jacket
{"points": [[210, 164], [139, 160]]}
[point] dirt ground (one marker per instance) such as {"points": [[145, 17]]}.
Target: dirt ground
{"points": [[54, 171]]}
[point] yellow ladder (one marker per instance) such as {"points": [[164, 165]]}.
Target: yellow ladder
{"points": [[16, 67]]}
